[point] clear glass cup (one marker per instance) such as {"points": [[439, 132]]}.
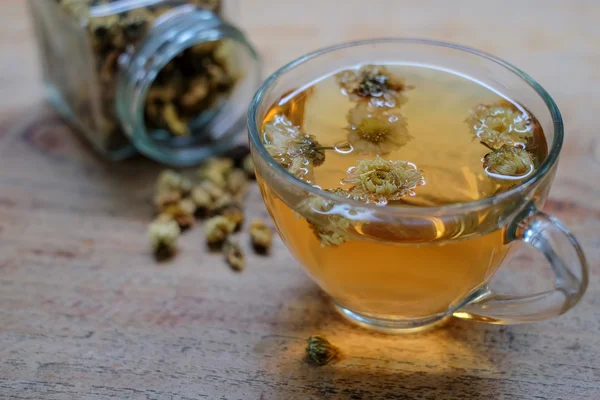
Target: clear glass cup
{"points": [[448, 253]]}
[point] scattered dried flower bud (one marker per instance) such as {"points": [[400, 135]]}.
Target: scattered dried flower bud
{"points": [[237, 183], [498, 124], [203, 201], [234, 213], [216, 170], [182, 212], [217, 229], [170, 181], [162, 200], [188, 205], [380, 180], [214, 190], [234, 254], [163, 235], [320, 350], [261, 236], [248, 165], [508, 164], [376, 130], [221, 203]]}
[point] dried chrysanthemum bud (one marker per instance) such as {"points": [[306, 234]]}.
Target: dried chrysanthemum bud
{"points": [[170, 181], [217, 229], [508, 164], [216, 170], [320, 350], [234, 254], [375, 83], [203, 200], [295, 150], [499, 124], [380, 180], [198, 90], [182, 212], [214, 190], [162, 200], [234, 213], [376, 130], [248, 165], [221, 203], [176, 124], [261, 236], [237, 183], [209, 198], [163, 235], [188, 206]]}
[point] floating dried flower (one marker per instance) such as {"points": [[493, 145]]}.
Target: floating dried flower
{"points": [[248, 166], [216, 171], [375, 83], [380, 180], [331, 229], [261, 236], [234, 254], [295, 150], [320, 350], [170, 181], [217, 229], [376, 130], [163, 235], [508, 164], [498, 124]]}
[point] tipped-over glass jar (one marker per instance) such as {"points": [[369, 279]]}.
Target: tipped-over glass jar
{"points": [[171, 79]]}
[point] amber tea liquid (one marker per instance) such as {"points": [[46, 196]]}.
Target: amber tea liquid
{"points": [[395, 271]]}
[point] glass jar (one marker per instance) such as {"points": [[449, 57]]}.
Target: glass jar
{"points": [[171, 79]]}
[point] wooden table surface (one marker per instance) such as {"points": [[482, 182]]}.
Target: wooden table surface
{"points": [[85, 313]]}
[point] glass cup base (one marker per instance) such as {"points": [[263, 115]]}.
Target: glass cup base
{"points": [[392, 326]]}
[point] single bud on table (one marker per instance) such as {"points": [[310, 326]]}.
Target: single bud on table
{"points": [[320, 350]]}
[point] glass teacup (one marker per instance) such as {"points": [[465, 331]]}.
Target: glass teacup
{"points": [[404, 268]]}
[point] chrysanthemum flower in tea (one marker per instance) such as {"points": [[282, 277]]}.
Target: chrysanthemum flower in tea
{"points": [[508, 163], [297, 151], [376, 130], [501, 123], [374, 83], [381, 181]]}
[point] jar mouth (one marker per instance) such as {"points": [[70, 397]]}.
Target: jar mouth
{"points": [[257, 105], [214, 124]]}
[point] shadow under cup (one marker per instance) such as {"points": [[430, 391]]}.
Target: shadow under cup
{"points": [[404, 268]]}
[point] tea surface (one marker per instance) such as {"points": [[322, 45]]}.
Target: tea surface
{"points": [[440, 138]]}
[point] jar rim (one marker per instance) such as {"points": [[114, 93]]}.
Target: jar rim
{"points": [[139, 70]]}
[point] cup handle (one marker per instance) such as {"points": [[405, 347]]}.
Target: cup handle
{"points": [[567, 261]]}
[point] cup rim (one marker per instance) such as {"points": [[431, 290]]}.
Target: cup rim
{"points": [[543, 169]]}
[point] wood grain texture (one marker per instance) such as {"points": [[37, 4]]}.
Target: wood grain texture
{"points": [[86, 314]]}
